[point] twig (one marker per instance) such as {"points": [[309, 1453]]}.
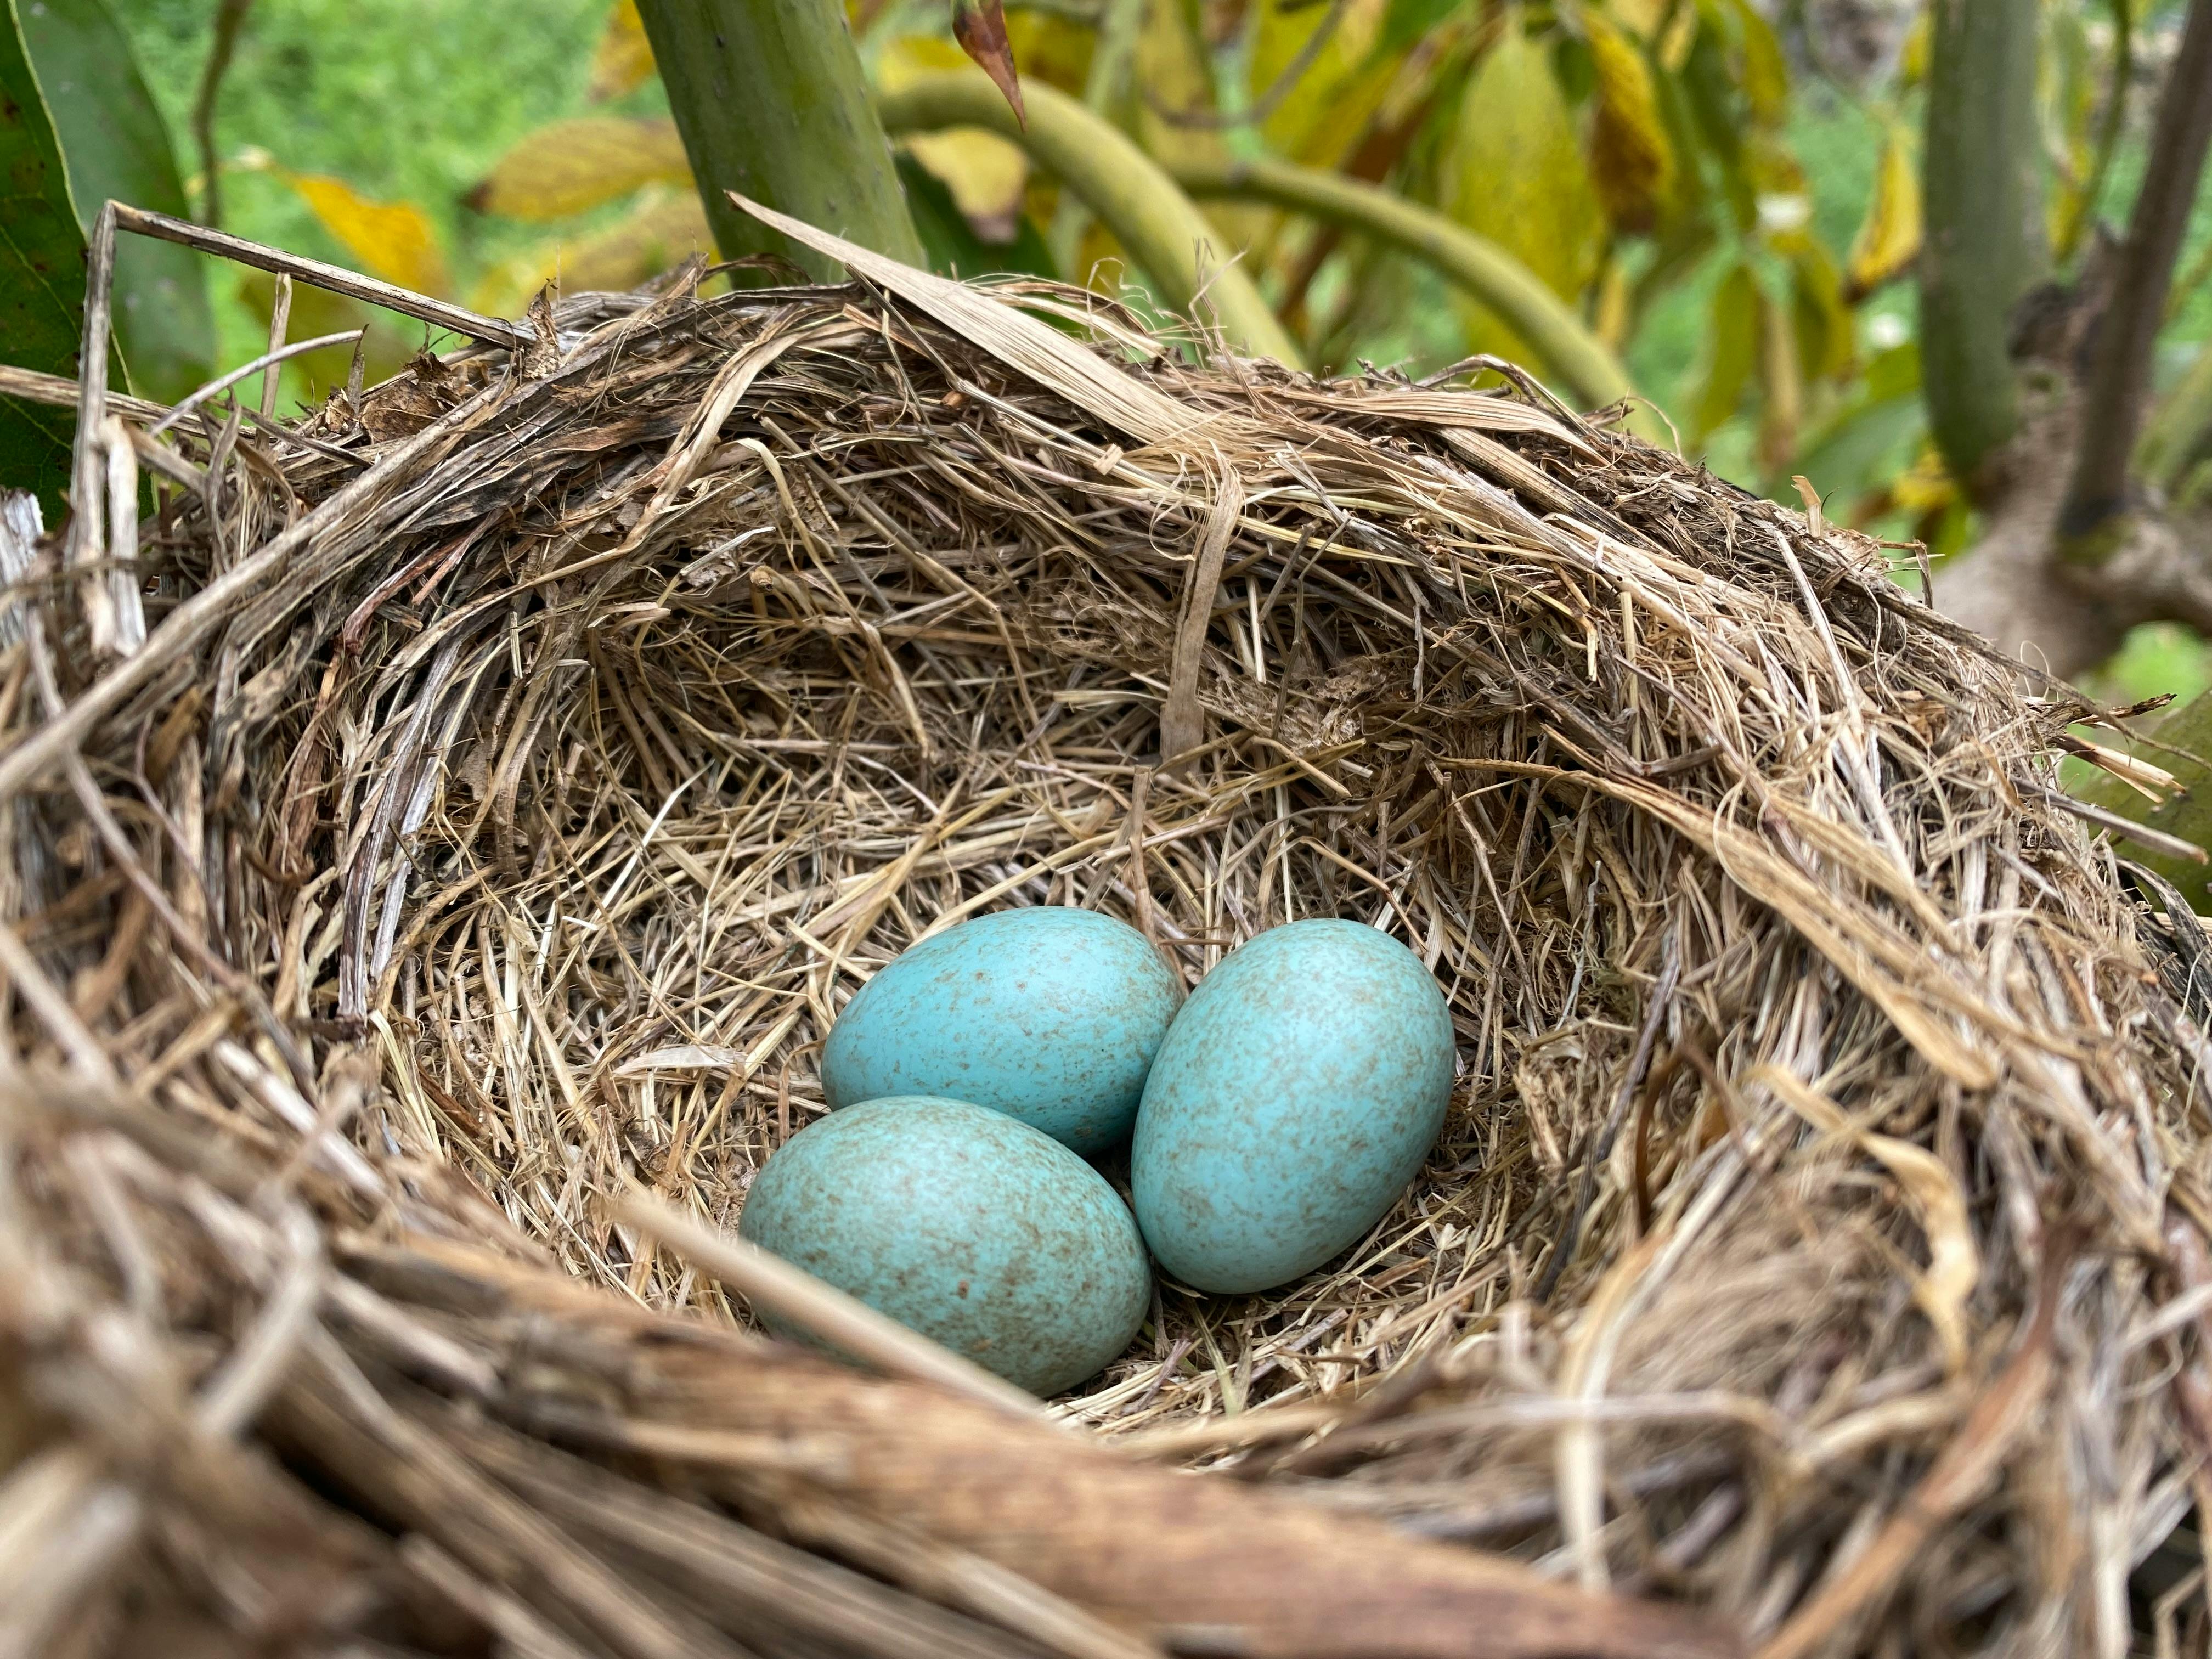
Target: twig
{"points": [[334, 279], [86, 534], [2128, 335], [1655, 1015], [267, 360], [1959, 1477]]}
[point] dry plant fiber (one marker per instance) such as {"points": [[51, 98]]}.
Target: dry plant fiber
{"points": [[441, 834]]}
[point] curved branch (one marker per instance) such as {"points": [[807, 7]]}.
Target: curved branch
{"points": [[2119, 384], [1125, 188], [1567, 349]]}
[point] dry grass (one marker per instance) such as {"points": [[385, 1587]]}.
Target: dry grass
{"points": [[529, 755]]}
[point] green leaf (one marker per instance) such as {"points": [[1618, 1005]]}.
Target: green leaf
{"points": [[953, 247], [1631, 158], [1868, 442], [1826, 344], [1320, 72], [1408, 20], [1731, 351], [1517, 176], [114, 146], [1765, 69], [41, 274]]}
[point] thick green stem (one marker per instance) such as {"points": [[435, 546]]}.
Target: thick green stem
{"points": [[1981, 248], [1178, 250], [771, 101], [1567, 350]]}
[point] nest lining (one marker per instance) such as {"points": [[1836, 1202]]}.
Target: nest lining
{"points": [[530, 758]]}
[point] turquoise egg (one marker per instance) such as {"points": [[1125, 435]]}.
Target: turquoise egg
{"points": [[960, 1223], [1049, 1015], [1298, 1091]]}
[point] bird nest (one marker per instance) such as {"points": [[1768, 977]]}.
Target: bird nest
{"points": [[420, 940]]}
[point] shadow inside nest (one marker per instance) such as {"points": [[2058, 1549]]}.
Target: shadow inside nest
{"points": [[592, 735]]}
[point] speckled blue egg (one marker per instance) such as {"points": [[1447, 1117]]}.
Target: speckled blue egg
{"points": [[1298, 1092], [1049, 1015], [961, 1222]]}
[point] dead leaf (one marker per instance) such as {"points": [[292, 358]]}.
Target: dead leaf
{"points": [[980, 27]]}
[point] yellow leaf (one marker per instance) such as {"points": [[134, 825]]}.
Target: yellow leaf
{"points": [[986, 173], [1049, 49], [1912, 56], [1644, 16], [666, 227], [1516, 175], [1765, 71], [1632, 161], [1320, 95], [623, 61], [1937, 1202], [581, 163], [1889, 239], [393, 240], [1925, 487]]}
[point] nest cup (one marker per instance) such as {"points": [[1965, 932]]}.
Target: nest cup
{"points": [[530, 756]]}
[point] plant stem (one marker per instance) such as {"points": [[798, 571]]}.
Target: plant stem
{"points": [[1104, 87], [1167, 236], [230, 19], [1981, 249], [2109, 126], [2113, 411], [1566, 347], [770, 98]]}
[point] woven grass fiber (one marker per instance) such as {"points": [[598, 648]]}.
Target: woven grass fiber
{"points": [[523, 761]]}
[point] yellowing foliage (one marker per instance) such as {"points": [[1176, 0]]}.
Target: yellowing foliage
{"points": [[572, 165], [666, 227], [1889, 238], [623, 61], [393, 240], [1631, 158], [1322, 96]]}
